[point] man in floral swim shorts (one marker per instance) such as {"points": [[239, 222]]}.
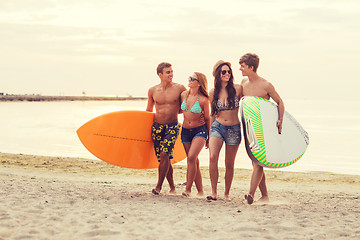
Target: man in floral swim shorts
{"points": [[166, 99]]}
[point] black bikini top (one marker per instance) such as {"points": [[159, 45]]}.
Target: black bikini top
{"points": [[226, 107]]}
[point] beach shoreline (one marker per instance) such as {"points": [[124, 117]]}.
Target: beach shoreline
{"points": [[41, 196], [44, 98]]}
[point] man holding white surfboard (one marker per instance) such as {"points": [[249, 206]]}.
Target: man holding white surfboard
{"points": [[166, 99], [254, 85]]}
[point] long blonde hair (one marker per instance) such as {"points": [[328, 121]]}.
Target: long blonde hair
{"points": [[203, 83]]}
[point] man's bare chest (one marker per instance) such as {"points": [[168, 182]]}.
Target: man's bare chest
{"points": [[255, 90], [167, 97]]}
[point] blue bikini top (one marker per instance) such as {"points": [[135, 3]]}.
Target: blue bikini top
{"points": [[194, 109]]}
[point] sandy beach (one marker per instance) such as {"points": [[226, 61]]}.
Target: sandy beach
{"points": [[72, 198]]}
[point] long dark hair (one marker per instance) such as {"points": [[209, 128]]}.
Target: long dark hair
{"points": [[230, 89]]}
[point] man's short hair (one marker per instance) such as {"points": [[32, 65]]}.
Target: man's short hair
{"points": [[250, 59], [161, 67]]}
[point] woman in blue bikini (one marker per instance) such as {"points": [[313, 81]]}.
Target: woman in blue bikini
{"points": [[225, 125], [195, 128]]}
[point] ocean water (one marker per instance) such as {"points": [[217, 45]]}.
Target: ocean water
{"points": [[49, 129]]}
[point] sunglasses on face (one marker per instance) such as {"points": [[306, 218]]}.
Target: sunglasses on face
{"points": [[223, 72], [191, 79]]}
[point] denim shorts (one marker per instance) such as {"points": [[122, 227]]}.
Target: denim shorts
{"points": [[188, 134], [231, 135]]}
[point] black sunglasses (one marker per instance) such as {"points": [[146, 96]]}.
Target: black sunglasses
{"points": [[192, 79], [223, 72]]}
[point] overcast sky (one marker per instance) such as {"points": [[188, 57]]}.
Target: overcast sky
{"points": [[308, 49]]}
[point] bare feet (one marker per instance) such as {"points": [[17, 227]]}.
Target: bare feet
{"points": [[155, 192], [227, 198], [185, 194], [172, 191], [200, 194], [264, 199], [211, 198], [249, 198]]}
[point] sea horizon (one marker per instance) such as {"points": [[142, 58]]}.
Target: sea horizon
{"points": [[39, 97], [49, 129]]}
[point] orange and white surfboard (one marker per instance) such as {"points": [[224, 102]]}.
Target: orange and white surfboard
{"points": [[123, 138]]}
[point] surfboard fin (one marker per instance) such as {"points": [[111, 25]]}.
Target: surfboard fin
{"points": [[251, 136]]}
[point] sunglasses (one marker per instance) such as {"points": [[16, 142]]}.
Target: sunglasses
{"points": [[192, 79], [223, 72]]}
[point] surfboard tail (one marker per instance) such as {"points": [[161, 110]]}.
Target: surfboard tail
{"points": [[251, 136]]}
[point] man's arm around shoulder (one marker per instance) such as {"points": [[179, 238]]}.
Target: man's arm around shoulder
{"points": [[182, 87]]}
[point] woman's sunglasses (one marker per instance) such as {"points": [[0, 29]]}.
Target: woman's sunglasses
{"points": [[223, 72], [192, 79]]}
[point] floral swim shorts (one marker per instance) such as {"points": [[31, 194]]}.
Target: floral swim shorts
{"points": [[164, 137]]}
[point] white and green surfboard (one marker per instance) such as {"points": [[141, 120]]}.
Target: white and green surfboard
{"points": [[264, 145]]}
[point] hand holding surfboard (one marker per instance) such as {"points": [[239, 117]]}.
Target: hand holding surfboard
{"points": [[264, 145]]}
